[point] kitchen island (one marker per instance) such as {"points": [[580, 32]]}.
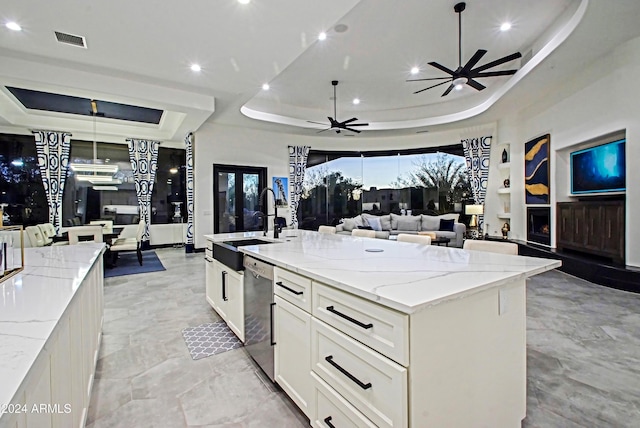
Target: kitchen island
{"points": [[50, 325], [370, 332]]}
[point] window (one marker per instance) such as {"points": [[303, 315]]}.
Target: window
{"points": [[22, 196], [118, 201], [345, 184]]}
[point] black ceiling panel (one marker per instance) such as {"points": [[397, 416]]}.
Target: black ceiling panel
{"points": [[37, 100]]}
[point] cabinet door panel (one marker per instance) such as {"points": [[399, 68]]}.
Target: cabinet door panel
{"points": [[592, 227], [293, 353], [613, 230], [234, 306], [565, 224]]}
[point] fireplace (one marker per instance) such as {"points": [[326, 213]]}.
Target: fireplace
{"points": [[538, 225]]}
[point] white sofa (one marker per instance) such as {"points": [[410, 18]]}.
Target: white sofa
{"points": [[393, 224]]}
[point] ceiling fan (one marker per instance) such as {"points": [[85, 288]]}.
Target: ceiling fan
{"points": [[466, 75], [336, 125]]}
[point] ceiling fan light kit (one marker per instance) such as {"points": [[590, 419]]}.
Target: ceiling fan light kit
{"points": [[334, 123], [466, 75]]}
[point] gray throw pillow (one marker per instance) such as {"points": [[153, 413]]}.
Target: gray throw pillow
{"points": [[385, 222], [409, 223], [394, 221], [430, 222], [374, 222]]}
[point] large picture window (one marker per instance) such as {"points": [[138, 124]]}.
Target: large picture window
{"points": [[344, 184], [23, 200]]}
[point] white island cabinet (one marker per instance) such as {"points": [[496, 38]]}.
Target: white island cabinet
{"points": [[224, 292], [50, 329], [371, 332]]}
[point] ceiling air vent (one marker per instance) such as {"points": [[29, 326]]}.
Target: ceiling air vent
{"points": [[70, 39]]}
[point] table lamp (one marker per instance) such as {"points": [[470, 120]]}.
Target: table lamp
{"points": [[473, 211]]}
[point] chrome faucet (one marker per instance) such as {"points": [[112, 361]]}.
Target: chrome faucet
{"points": [[276, 226]]}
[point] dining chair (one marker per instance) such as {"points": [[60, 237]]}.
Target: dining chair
{"points": [[327, 229], [363, 233], [416, 239], [129, 244], [77, 231], [491, 246]]}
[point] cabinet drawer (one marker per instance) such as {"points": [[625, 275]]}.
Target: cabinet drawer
{"points": [[330, 409], [294, 288], [383, 329], [372, 383]]}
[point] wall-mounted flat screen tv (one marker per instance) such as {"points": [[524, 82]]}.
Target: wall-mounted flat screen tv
{"points": [[599, 169]]}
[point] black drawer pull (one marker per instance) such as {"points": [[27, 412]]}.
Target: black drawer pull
{"points": [[348, 318], [327, 421], [224, 286], [329, 360], [297, 293]]}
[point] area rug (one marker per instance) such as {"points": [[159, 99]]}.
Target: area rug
{"points": [[209, 339], [127, 264]]}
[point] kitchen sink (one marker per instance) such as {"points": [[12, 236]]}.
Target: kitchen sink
{"points": [[227, 252]]}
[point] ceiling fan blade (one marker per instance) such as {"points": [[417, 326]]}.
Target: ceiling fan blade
{"points": [[323, 130], [353, 130], [429, 78], [475, 85], [447, 91], [473, 61], [441, 83], [349, 121], [496, 62], [443, 68], [359, 124], [317, 123], [495, 73]]}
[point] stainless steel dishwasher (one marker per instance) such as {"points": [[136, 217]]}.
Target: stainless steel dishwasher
{"points": [[258, 313]]}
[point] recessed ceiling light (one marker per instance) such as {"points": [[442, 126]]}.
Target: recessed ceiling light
{"points": [[415, 70], [195, 67], [322, 36], [340, 28], [13, 26], [173, 170], [356, 101], [265, 86], [506, 26], [244, 1]]}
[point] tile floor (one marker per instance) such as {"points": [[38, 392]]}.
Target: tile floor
{"points": [[583, 344]]}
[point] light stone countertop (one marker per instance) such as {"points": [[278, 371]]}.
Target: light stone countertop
{"points": [[32, 303], [404, 276]]}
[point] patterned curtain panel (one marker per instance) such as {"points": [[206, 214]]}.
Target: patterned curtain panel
{"points": [[297, 164], [188, 142], [143, 155], [53, 159], [476, 153]]}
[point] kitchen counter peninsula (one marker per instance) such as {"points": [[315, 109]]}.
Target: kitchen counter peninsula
{"points": [[371, 332], [50, 325]]}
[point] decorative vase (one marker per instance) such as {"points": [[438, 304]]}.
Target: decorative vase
{"points": [[505, 156], [505, 230], [506, 183]]}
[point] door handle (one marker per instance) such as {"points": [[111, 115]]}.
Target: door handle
{"points": [[224, 286], [351, 377], [271, 306], [327, 421]]}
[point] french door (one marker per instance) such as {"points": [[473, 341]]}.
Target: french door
{"points": [[236, 191]]}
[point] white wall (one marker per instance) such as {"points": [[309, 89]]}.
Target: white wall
{"points": [[603, 100]]}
